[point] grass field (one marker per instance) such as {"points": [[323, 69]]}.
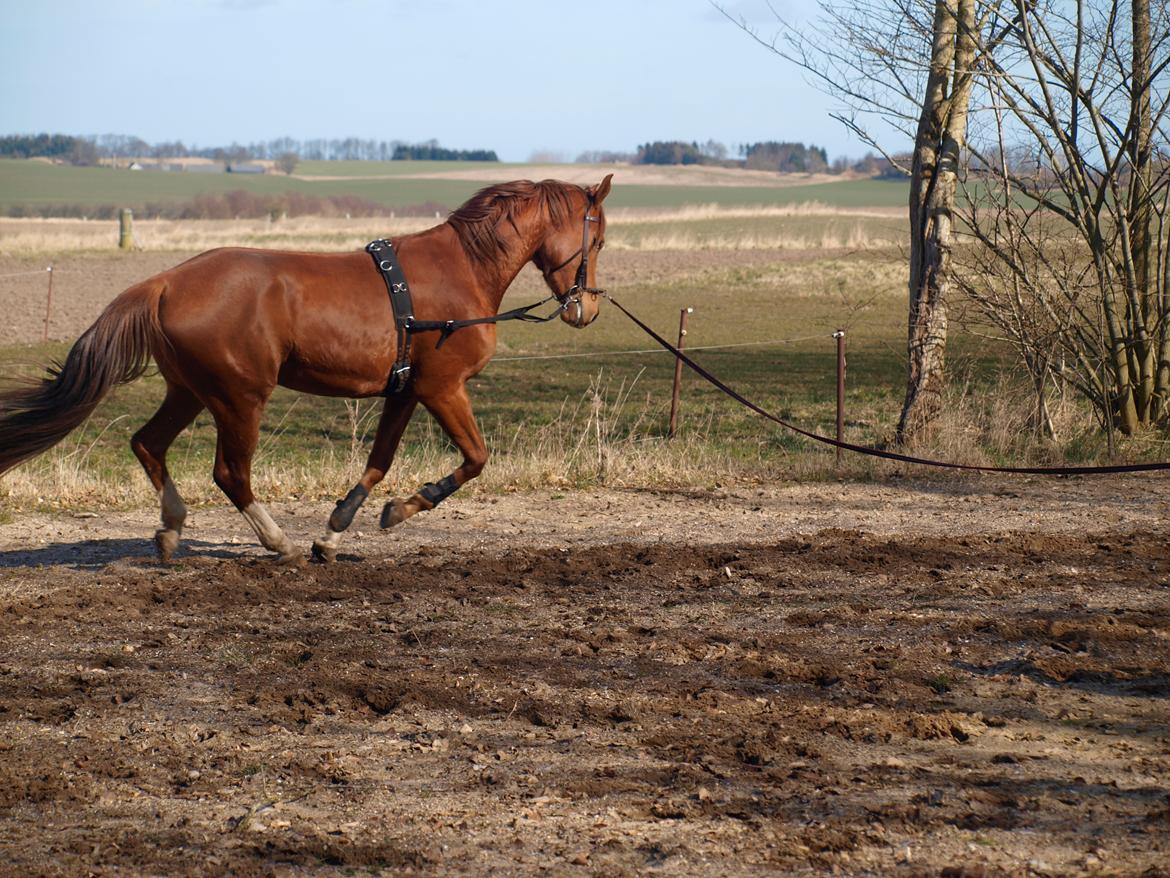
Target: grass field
{"points": [[556, 419], [35, 184], [396, 169], [31, 184]]}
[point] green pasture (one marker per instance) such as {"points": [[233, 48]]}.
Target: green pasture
{"points": [[31, 184], [316, 168], [34, 184]]}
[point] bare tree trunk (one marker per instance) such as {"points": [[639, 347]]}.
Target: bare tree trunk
{"points": [[1065, 228], [938, 144], [1141, 215]]}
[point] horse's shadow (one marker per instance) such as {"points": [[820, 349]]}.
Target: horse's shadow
{"points": [[96, 554]]}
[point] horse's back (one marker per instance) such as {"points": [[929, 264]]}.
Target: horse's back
{"points": [[268, 316], [233, 267]]}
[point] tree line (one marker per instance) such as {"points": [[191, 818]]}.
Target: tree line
{"points": [[89, 150], [76, 150], [785, 157], [770, 155]]}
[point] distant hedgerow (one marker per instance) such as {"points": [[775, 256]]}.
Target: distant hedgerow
{"points": [[237, 204]]}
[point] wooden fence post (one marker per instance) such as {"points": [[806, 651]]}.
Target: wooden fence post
{"points": [[682, 335], [48, 306], [125, 229], [840, 336]]}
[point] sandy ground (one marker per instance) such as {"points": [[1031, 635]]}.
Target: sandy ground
{"points": [[951, 678], [82, 286]]}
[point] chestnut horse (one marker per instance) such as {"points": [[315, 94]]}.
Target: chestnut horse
{"points": [[226, 327]]}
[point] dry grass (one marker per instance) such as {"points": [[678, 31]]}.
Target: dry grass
{"points": [[697, 212], [609, 437], [996, 426], [22, 237], [592, 442], [692, 230], [854, 238]]}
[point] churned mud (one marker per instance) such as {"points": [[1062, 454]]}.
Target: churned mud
{"points": [[952, 679]]}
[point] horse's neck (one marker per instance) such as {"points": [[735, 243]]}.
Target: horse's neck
{"points": [[526, 241]]}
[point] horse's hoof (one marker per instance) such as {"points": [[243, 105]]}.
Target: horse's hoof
{"points": [[167, 543], [324, 554], [393, 513], [290, 559]]}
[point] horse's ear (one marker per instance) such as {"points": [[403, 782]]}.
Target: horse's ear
{"points": [[597, 193]]}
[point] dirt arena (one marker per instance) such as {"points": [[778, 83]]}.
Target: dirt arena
{"points": [[940, 678]]}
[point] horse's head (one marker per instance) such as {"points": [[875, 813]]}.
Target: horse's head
{"points": [[568, 257]]}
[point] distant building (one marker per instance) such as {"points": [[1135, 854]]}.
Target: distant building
{"points": [[245, 168], [211, 168]]}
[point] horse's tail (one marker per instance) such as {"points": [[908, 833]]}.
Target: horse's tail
{"points": [[115, 350]]}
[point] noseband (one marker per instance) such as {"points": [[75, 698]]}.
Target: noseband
{"points": [[572, 296]]}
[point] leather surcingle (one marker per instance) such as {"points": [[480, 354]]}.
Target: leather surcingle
{"points": [[386, 259]]}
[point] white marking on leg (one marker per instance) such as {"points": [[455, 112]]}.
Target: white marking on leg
{"points": [[174, 511], [332, 538], [325, 548], [267, 530]]}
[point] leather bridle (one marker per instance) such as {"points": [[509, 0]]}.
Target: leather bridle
{"points": [[572, 296]]}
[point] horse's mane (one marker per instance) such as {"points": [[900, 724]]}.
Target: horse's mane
{"points": [[476, 221]]}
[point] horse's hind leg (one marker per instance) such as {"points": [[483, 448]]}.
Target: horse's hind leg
{"points": [[238, 426], [150, 445], [453, 412], [396, 412]]}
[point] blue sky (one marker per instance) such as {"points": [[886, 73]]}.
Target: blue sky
{"points": [[512, 75]]}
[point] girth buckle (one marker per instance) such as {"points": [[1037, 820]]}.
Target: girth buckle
{"points": [[399, 378]]}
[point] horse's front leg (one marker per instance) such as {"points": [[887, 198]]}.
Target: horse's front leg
{"points": [[396, 412], [453, 412]]}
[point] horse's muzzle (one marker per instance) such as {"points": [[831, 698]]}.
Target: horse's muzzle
{"points": [[576, 309]]}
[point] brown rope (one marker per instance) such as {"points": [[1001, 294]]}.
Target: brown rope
{"points": [[877, 452]]}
